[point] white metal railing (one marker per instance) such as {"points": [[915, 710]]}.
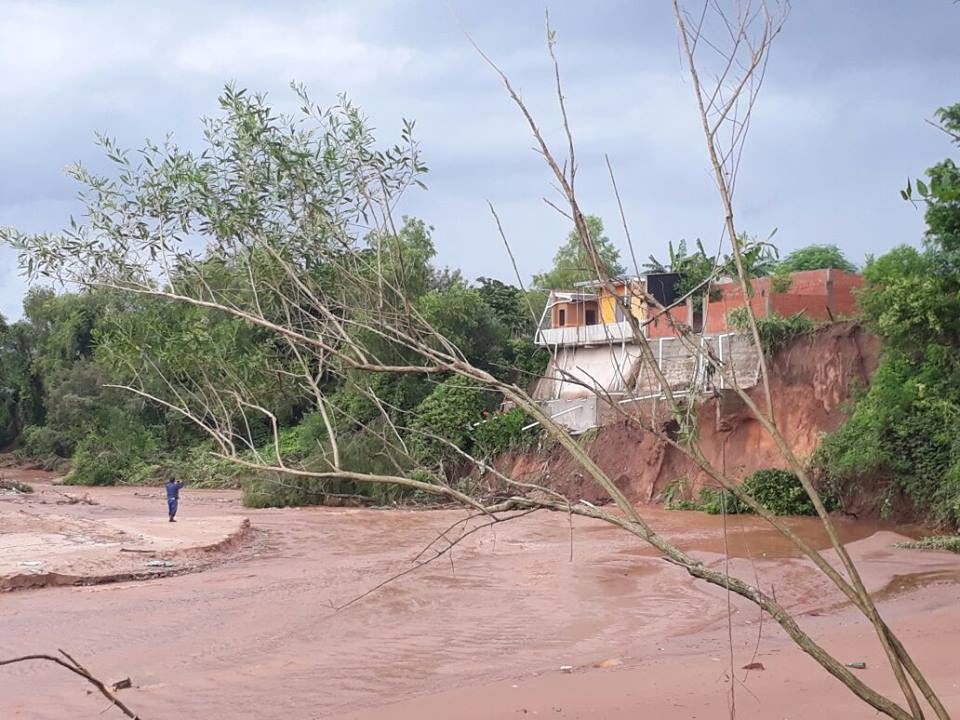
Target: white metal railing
{"points": [[600, 334]]}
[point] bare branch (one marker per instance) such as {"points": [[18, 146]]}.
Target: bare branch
{"points": [[77, 669]]}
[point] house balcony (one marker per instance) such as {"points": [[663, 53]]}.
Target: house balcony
{"points": [[598, 334]]}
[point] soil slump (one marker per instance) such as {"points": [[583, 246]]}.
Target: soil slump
{"points": [[481, 636]]}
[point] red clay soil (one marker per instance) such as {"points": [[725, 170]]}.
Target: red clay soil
{"points": [[484, 636], [810, 381]]}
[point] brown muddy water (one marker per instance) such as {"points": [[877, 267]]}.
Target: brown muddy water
{"points": [[257, 634]]}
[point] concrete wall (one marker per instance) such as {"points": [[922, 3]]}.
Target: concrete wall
{"points": [[602, 372], [682, 367], [577, 415], [578, 372]]}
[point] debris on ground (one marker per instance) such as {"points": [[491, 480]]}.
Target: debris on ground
{"points": [[15, 486], [859, 665], [122, 684], [754, 666], [160, 563], [73, 499], [612, 662], [566, 668]]}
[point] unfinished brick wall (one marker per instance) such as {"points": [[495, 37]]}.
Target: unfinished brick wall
{"points": [[820, 294], [729, 296], [661, 327], [843, 301]]}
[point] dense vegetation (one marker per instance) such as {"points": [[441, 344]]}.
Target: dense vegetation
{"points": [[905, 428], [60, 364], [779, 491], [59, 360]]}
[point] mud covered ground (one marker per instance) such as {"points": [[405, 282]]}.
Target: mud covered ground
{"points": [[250, 629]]}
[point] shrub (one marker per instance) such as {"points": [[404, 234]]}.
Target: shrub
{"points": [[672, 496], [41, 441], [261, 490], [775, 331], [816, 257], [718, 501], [449, 412], [905, 429], [501, 432], [363, 452], [352, 407], [198, 467], [270, 490], [780, 281], [310, 435], [120, 455], [527, 360], [779, 491]]}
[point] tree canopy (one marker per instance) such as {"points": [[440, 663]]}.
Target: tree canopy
{"points": [[294, 215], [759, 258], [816, 257], [571, 264], [905, 429]]}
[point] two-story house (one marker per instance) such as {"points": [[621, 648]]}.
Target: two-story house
{"points": [[592, 344]]}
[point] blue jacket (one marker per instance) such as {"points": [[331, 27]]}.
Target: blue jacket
{"points": [[173, 490]]}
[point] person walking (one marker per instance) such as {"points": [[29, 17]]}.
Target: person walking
{"points": [[173, 497]]}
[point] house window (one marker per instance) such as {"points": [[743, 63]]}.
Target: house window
{"points": [[591, 317], [561, 317]]}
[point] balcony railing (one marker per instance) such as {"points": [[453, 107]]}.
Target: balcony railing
{"points": [[585, 334]]}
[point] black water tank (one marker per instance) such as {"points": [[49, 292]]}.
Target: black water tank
{"points": [[663, 286]]}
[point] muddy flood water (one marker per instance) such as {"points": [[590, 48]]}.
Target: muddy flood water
{"points": [[257, 628]]}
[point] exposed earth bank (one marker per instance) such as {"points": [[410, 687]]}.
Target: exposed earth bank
{"points": [[810, 379], [258, 633]]}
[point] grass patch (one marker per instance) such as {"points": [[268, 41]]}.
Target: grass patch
{"points": [[934, 542]]}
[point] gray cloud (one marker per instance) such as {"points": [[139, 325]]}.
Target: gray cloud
{"points": [[838, 129]]}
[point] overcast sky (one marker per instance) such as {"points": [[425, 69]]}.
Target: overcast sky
{"points": [[838, 128]]}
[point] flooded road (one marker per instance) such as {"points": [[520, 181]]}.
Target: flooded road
{"points": [[259, 635]]}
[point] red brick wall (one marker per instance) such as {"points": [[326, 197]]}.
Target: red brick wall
{"points": [[811, 292], [731, 297], [844, 300], [661, 327], [813, 306]]}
